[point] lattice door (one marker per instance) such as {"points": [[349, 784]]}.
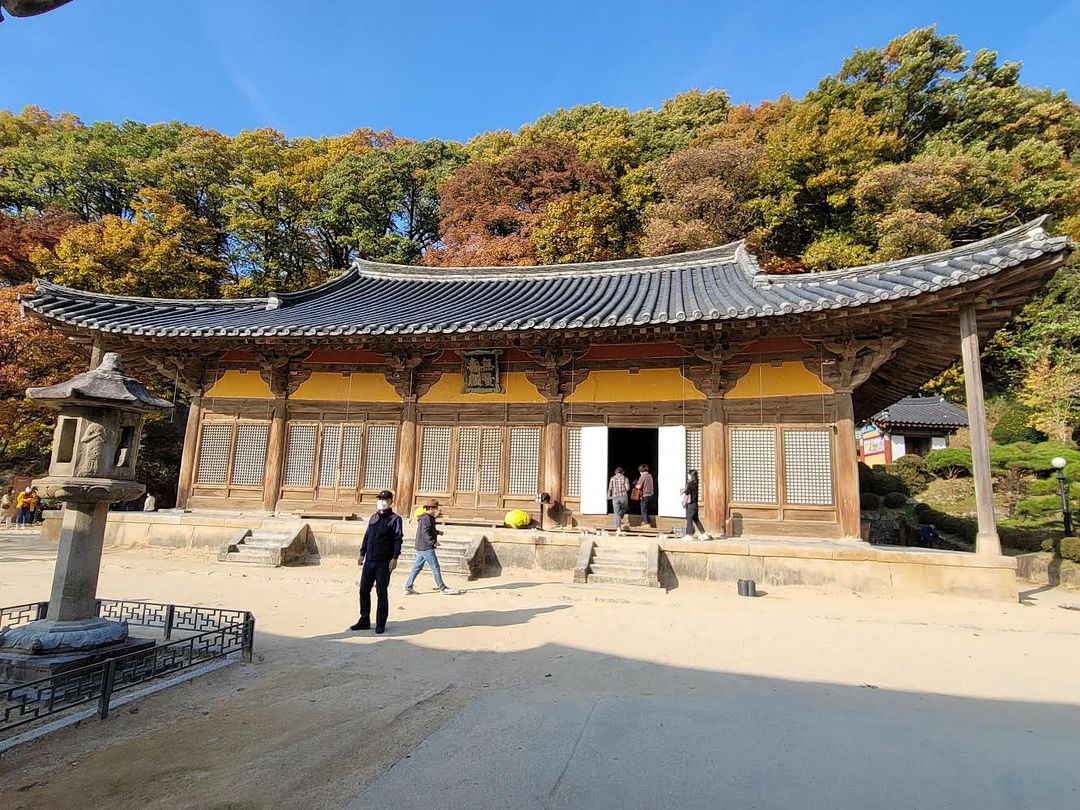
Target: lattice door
{"points": [[435, 459], [753, 465], [573, 463], [249, 461], [352, 439], [693, 450], [807, 467], [215, 443], [381, 456], [524, 461], [300, 455]]}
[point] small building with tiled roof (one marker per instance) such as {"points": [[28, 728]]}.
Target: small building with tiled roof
{"points": [[914, 425], [484, 387]]}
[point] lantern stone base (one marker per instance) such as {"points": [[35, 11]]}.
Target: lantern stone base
{"points": [[18, 666], [47, 636]]}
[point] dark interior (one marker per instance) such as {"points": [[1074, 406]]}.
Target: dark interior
{"points": [[630, 447]]}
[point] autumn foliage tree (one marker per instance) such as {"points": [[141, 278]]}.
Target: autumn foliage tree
{"points": [[491, 211], [31, 354]]}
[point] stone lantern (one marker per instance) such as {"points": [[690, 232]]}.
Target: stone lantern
{"points": [[95, 444]]}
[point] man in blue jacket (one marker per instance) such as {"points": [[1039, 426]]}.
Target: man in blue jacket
{"points": [[378, 557]]}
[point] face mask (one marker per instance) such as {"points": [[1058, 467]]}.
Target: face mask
{"points": [[382, 505]]}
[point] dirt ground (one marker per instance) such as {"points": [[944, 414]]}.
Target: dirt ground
{"points": [[321, 713]]}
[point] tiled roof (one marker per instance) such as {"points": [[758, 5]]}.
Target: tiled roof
{"points": [[921, 412], [718, 284]]}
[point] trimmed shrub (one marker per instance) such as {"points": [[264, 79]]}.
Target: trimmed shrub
{"points": [[1023, 538], [895, 500], [1037, 459], [1049, 486], [1015, 426], [911, 470], [1068, 547], [1040, 506], [869, 500], [883, 482], [950, 462]]}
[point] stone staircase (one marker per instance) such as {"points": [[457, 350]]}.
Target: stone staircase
{"points": [[267, 546], [618, 562], [460, 553]]}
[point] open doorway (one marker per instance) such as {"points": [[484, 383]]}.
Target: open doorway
{"points": [[629, 448]]}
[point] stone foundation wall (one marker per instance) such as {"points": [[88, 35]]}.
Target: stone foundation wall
{"points": [[1040, 568], [858, 567]]}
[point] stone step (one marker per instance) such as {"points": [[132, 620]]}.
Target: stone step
{"points": [[620, 554], [606, 562], [255, 556], [605, 579], [619, 562], [616, 571]]}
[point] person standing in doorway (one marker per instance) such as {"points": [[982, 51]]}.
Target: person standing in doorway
{"points": [[618, 490], [647, 488], [378, 558], [427, 538], [690, 502]]}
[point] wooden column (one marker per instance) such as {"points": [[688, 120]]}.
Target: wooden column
{"points": [[847, 467], [986, 541], [714, 468], [552, 481], [275, 454], [406, 460], [187, 460]]}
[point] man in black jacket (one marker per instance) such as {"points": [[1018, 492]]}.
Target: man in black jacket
{"points": [[427, 537], [378, 557]]}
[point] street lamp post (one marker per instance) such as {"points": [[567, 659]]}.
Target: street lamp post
{"points": [[1059, 464]]}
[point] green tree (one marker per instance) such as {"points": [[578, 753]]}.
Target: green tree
{"points": [[383, 204]]}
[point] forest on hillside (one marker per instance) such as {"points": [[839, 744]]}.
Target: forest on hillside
{"points": [[908, 148]]}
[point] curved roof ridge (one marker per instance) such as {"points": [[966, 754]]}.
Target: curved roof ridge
{"points": [[51, 286], [720, 253], [1032, 231]]}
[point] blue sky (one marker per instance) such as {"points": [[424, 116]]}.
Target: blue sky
{"points": [[453, 69]]}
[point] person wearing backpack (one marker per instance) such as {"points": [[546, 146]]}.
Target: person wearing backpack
{"points": [[646, 488], [378, 558], [427, 538]]}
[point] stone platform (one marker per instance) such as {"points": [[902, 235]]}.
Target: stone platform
{"points": [[855, 566], [21, 667]]}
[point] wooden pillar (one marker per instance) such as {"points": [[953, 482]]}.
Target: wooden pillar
{"points": [[187, 460], [714, 468], [552, 482], [406, 460], [275, 454], [986, 541], [847, 466]]}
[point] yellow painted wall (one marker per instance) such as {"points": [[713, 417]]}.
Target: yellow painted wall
{"points": [[790, 379], [648, 385], [234, 383], [516, 387], [361, 386]]}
